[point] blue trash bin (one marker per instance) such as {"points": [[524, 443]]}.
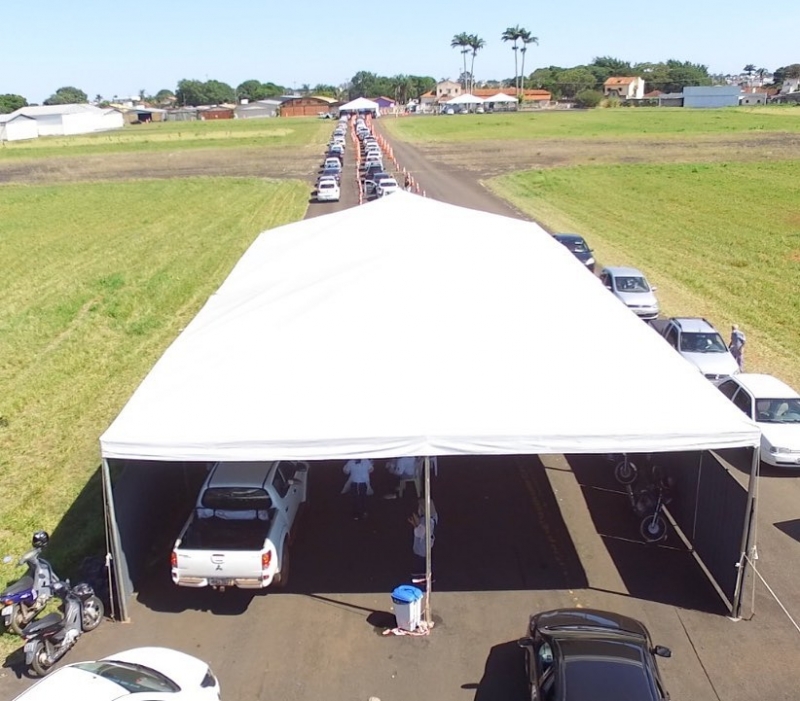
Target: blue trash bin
{"points": [[407, 601]]}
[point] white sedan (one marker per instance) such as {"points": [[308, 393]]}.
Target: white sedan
{"points": [[147, 673], [386, 187], [775, 407]]}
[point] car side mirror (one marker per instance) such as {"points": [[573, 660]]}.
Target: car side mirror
{"points": [[662, 651], [525, 642], [655, 289]]}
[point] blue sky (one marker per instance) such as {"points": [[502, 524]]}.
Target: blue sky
{"points": [[118, 48]]}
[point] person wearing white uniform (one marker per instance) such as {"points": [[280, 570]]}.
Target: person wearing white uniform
{"points": [[417, 520], [358, 472]]}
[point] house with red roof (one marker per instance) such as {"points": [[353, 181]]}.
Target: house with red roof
{"points": [[624, 88]]}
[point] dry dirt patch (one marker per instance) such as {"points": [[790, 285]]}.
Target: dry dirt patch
{"points": [[279, 162], [486, 159]]}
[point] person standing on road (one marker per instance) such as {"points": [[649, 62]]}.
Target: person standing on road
{"points": [[407, 183], [417, 521], [358, 472], [737, 345]]}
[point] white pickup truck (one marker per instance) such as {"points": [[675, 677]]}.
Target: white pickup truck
{"points": [[238, 533]]}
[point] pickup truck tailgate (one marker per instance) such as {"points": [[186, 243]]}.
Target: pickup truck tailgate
{"points": [[219, 568]]}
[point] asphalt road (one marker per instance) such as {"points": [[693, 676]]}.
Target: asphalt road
{"points": [[516, 535]]}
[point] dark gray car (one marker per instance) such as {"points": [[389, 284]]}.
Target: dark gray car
{"points": [[591, 655]]}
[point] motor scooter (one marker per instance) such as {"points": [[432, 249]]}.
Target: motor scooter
{"points": [[48, 639], [24, 599], [647, 503]]}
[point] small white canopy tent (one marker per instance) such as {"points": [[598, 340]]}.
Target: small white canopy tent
{"points": [[466, 99], [360, 104], [501, 97], [355, 334]]}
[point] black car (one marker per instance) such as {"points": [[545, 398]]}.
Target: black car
{"points": [[325, 172], [580, 249], [590, 655]]}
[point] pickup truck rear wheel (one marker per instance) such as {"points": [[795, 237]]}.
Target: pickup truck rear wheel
{"points": [[281, 579]]}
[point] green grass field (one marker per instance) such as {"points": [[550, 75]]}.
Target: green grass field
{"points": [[98, 279], [604, 123], [172, 136], [719, 240]]}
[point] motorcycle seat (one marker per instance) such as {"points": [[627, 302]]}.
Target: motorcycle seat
{"points": [[18, 587], [51, 620]]}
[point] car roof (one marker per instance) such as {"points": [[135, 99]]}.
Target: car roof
{"points": [[72, 684], [694, 324], [765, 386], [620, 271]]}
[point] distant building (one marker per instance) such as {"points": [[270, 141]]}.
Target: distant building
{"points": [[753, 96], [446, 89], [66, 120], [17, 127], [259, 109], [624, 88], [711, 96], [307, 106], [212, 112], [385, 103], [790, 85]]}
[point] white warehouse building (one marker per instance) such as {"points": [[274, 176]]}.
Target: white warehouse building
{"points": [[63, 120], [17, 127]]}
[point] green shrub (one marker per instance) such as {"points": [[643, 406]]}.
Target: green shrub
{"points": [[588, 98]]}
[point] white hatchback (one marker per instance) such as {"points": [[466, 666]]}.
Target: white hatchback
{"points": [[775, 407], [152, 673], [328, 190]]}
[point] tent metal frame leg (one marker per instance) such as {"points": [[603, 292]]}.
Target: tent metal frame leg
{"points": [[748, 535], [428, 542], [115, 559]]}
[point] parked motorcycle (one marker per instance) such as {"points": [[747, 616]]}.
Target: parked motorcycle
{"points": [[48, 639], [647, 502], [24, 599]]}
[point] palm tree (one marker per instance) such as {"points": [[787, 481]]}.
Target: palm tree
{"points": [[475, 44], [749, 69], [461, 41], [526, 38], [514, 34]]}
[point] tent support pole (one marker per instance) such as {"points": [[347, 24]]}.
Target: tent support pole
{"points": [[747, 535], [115, 551], [428, 577]]}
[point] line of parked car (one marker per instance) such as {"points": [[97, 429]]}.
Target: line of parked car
{"points": [[767, 400], [374, 180]]}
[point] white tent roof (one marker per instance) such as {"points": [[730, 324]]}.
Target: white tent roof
{"points": [[360, 103], [410, 327], [466, 99], [501, 97]]}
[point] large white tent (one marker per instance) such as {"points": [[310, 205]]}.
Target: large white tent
{"points": [[466, 99], [360, 104], [411, 327], [364, 333], [501, 97]]}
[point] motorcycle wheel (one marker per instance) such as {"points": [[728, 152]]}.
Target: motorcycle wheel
{"points": [[91, 613], [653, 529], [625, 472], [18, 620], [40, 664]]}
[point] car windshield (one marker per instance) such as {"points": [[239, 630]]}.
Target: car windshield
{"points": [[575, 245], [134, 678], [236, 499], [778, 411], [327, 185], [631, 283], [702, 343]]}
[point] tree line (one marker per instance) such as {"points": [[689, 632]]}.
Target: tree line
{"points": [[666, 76]]}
